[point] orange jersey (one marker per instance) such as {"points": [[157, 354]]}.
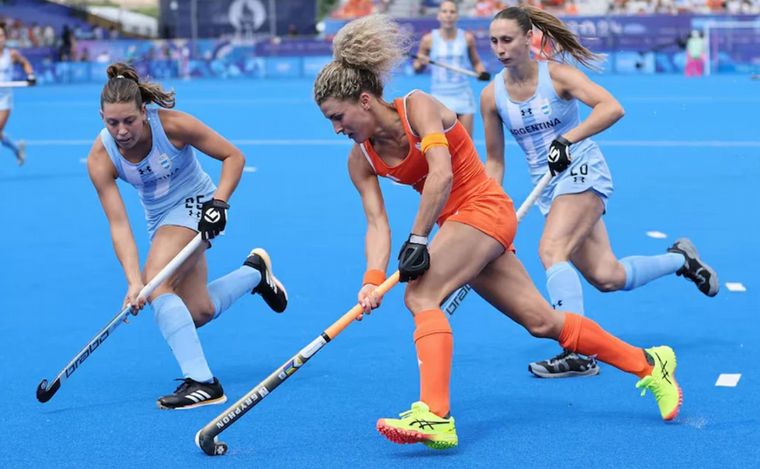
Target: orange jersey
{"points": [[472, 191]]}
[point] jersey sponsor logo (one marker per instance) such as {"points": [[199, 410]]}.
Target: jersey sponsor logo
{"points": [[526, 111], [537, 127]]}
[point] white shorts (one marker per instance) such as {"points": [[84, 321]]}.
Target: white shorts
{"points": [[463, 102], [186, 214], [6, 101], [588, 171]]}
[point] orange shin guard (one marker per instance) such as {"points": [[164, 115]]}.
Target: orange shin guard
{"points": [[582, 335], [435, 344]]}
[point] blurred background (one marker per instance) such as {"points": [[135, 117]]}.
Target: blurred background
{"points": [[74, 40]]}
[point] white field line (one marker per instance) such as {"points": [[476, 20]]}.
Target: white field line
{"points": [[333, 142]]}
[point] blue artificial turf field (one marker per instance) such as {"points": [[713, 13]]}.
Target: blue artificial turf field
{"points": [[683, 158]]}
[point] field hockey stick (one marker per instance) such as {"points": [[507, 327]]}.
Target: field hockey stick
{"points": [[45, 392], [206, 438], [14, 84], [455, 299], [483, 76]]}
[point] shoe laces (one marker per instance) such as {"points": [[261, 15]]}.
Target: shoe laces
{"points": [[562, 356], [186, 382], [647, 383], [696, 275], [651, 383], [406, 414]]}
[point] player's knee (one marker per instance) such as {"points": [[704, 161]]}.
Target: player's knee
{"points": [[605, 286], [551, 252], [202, 318], [161, 290], [605, 280], [202, 314], [540, 327], [415, 301]]}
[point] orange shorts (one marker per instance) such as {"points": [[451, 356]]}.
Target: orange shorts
{"points": [[489, 210]]}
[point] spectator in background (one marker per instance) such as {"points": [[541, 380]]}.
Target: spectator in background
{"points": [[381, 6], [354, 9], [486, 7], [35, 33], [48, 36], [695, 55], [66, 48]]}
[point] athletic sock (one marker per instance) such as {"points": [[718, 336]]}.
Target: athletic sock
{"points": [[435, 344], [564, 287], [640, 270], [5, 139], [226, 290], [582, 335], [177, 327]]}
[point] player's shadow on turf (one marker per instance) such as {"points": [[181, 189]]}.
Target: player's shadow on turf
{"points": [[420, 451], [110, 405]]}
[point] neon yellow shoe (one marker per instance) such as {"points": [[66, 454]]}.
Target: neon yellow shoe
{"points": [[662, 381], [419, 425]]}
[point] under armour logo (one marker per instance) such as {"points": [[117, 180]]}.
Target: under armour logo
{"points": [[212, 215], [526, 112]]}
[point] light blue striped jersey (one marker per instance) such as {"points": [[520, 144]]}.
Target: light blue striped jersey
{"points": [[534, 123], [6, 70], [453, 52], [164, 178]]}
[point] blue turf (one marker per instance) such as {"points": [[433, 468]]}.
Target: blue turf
{"points": [[62, 283]]}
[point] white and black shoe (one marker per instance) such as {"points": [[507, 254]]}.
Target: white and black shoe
{"points": [[270, 289], [21, 152], [565, 365], [192, 393], [694, 269]]}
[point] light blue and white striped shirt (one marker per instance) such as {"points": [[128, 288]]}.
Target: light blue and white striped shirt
{"points": [[534, 123], [6, 71], [453, 52], [166, 177]]}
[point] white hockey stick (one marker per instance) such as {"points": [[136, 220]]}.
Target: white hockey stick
{"points": [[14, 84], [45, 392]]}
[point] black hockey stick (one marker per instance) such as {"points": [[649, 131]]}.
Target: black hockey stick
{"points": [[483, 76], [206, 438]]}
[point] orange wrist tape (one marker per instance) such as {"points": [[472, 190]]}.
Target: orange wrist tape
{"points": [[433, 140], [373, 277]]}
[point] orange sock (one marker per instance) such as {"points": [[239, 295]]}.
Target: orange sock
{"points": [[435, 345], [582, 335]]}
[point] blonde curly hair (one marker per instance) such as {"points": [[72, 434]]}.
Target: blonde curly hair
{"points": [[365, 52]]}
